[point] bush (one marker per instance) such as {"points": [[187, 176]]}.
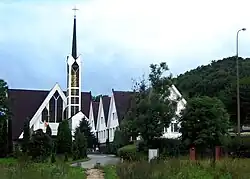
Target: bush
{"points": [[40, 146], [167, 147], [129, 153], [240, 146]]}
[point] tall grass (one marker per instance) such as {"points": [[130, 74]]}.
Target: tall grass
{"points": [[179, 169], [29, 170]]}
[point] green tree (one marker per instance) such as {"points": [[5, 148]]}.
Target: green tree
{"points": [[4, 117], [80, 145], [48, 131], [218, 79], [26, 136], [120, 140], [64, 138], [204, 122], [151, 109], [84, 127], [40, 145]]}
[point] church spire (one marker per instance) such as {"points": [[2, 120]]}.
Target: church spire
{"points": [[74, 47]]}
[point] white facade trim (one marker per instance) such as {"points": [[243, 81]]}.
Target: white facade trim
{"points": [[37, 115]]}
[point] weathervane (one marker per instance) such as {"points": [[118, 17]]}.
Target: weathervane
{"points": [[75, 9]]}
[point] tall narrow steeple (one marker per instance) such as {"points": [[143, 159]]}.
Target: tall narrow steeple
{"points": [[73, 78], [74, 47]]}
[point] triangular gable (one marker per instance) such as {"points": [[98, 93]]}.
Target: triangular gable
{"points": [[45, 102]]}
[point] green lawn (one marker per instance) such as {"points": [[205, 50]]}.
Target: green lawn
{"points": [[13, 169], [110, 172]]}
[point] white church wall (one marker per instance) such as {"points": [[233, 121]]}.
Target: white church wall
{"points": [[101, 124], [91, 119], [113, 122], [75, 121]]}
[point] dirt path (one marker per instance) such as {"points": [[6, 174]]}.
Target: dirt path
{"points": [[95, 174]]}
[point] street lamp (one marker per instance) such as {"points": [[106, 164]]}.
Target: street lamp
{"points": [[237, 76]]}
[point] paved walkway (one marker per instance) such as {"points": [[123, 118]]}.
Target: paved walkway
{"points": [[94, 174], [98, 158]]}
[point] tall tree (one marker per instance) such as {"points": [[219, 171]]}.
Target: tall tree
{"points": [[152, 109], [26, 136], [80, 145], [4, 115], [84, 127], [204, 122], [64, 138]]}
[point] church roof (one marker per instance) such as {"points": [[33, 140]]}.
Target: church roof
{"points": [[24, 104], [106, 102], [122, 102], [95, 106]]}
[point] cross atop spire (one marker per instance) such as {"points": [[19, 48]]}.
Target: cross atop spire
{"points": [[75, 9], [74, 48]]}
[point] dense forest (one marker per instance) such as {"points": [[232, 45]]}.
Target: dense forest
{"points": [[218, 79]]}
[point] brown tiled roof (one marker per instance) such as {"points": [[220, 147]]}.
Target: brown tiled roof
{"points": [[86, 99], [95, 106], [106, 102], [25, 103], [122, 102]]}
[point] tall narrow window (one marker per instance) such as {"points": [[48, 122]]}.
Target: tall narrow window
{"points": [[45, 115]]}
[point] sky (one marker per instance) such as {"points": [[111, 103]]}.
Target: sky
{"points": [[117, 39]]}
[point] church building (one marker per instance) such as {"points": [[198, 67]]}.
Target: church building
{"points": [[44, 108]]}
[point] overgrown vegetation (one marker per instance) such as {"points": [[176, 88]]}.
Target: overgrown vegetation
{"points": [[184, 169], [17, 169]]}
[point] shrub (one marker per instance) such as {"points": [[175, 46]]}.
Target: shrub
{"points": [[40, 145], [129, 152], [167, 147]]}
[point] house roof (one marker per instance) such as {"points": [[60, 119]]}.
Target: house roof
{"points": [[122, 102], [25, 103], [86, 100], [106, 102], [95, 106]]}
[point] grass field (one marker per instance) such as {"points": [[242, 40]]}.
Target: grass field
{"points": [[180, 169], [18, 169]]}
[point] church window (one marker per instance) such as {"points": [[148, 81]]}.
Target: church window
{"points": [[45, 115], [51, 110], [74, 100], [74, 110], [65, 113], [59, 110], [75, 92], [75, 75], [113, 115]]}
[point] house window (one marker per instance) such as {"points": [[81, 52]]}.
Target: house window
{"points": [[174, 127]]}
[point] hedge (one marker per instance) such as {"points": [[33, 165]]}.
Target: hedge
{"points": [[129, 153]]}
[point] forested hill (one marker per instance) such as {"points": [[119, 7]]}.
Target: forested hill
{"points": [[217, 79]]}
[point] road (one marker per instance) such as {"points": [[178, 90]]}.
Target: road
{"points": [[98, 158]]}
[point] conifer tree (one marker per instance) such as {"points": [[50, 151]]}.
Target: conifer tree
{"points": [[64, 138]]}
